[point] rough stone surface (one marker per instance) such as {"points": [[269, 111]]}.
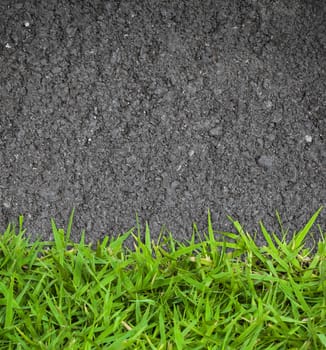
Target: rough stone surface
{"points": [[164, 108]]}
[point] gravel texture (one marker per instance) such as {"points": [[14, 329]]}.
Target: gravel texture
{"points": [[164, 108]]}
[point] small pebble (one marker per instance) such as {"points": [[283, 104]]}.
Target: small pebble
{"points": [[6, 205], [265, 161], [216, 131], [308, 138], [269, 104]]}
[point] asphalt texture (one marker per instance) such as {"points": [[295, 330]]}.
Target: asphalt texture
{"points": [[164, 109]]}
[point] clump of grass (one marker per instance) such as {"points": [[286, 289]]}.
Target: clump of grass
{"points": [[206, 294]]}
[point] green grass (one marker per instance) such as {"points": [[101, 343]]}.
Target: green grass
{"points": [[207, 293]]}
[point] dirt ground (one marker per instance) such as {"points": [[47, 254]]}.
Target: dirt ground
{"points": [[164, 108]]}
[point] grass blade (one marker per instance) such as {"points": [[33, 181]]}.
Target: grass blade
{"points": [[70, 224], [10, 304], [298, 239], [59, 241]]}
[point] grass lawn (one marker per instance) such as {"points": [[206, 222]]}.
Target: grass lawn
{"points": [[207, 293]]}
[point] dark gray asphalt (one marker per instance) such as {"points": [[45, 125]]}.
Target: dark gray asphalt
{"points": [[165, 108]]}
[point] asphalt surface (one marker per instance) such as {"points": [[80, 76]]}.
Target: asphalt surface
{"points": [[164, 108]]}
